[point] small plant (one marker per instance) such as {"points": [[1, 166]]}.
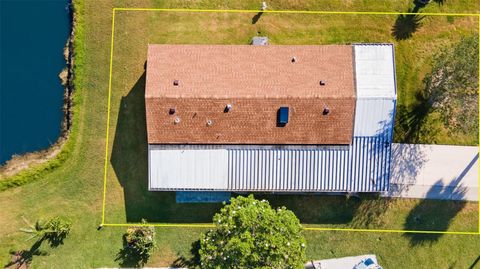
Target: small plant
{"points": [[141, 238], [138, 243], [54, 230]]}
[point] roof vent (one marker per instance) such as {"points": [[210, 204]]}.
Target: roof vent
{"points": [[326, 110], [323, 83], [228, 107], [177, 120], [171, 111], [294, 59], [175, 82], [209, 122]]}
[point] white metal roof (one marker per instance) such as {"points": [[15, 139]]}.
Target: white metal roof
{"points": [[363, 166], [374, 117], [187, 169], [376, 89], [375, 71]]}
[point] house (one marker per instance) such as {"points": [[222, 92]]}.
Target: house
{"points": [[270, 118]]}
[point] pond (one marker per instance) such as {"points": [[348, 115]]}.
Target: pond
{"points": [[33, 34]]}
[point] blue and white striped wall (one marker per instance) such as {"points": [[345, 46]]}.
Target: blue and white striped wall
{"points": [[363, 166]]}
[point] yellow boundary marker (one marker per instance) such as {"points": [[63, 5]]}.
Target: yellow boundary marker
{"points": [[478, 85], [193, 225], [206, 225], [108, 119], [292, 11]]}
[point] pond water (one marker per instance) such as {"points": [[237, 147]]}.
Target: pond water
{"points": [[32, 37]]}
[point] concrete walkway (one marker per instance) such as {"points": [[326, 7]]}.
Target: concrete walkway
{"points": [[434, 172]]}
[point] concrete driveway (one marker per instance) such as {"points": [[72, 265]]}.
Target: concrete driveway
{"points": [[434, 172]]}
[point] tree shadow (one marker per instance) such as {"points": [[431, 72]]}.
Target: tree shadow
{"points": [[370, 210], [130, 163], [22, 259], [407, 161], [130, 257], [406, 25], [435, 215], [409, 120], [54, 240], [189, 262], [315, 208], [475, 262], [257, 17]]}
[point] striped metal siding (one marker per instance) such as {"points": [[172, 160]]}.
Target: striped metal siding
{"points": [[363, 166]]}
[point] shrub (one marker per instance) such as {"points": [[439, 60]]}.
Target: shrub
{"points": [[138, 243], [141, 239], [250, 234], [54, 230]]}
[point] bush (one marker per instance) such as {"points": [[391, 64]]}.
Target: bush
{"points": [[250, 234], [141, 239], [138, 243]]}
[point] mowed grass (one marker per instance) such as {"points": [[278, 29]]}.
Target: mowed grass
{"points": [[75, 188]]}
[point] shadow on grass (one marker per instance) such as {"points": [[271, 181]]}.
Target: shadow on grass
{"points": [[406, 25], [435, 215], [370, 211], [130, 257], [189, 262], [316, 208], [22, 259], [409, 120], [475, 262], [257, 17]]}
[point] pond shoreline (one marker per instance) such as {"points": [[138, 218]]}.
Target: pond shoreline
{"points": [[24, 161]]}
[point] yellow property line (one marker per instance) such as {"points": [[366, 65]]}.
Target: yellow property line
{"points": [[266, 11], [190, 225], [293, 11], [478, 85], [388, 231], [108, 118]]}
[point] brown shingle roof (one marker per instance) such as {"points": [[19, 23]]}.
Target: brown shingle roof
{"points": [[256, 80]]}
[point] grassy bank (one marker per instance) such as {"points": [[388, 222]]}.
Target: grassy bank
{"points": [[74, 188]]}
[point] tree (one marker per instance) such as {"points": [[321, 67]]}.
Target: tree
{"points": [[452, 86], [54, 230], [250, 234]]}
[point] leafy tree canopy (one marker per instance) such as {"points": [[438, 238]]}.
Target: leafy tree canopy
{"points": [[251, 234], [452, 86]]}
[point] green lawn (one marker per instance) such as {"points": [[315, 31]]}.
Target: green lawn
{"points": [[74, 188]]}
